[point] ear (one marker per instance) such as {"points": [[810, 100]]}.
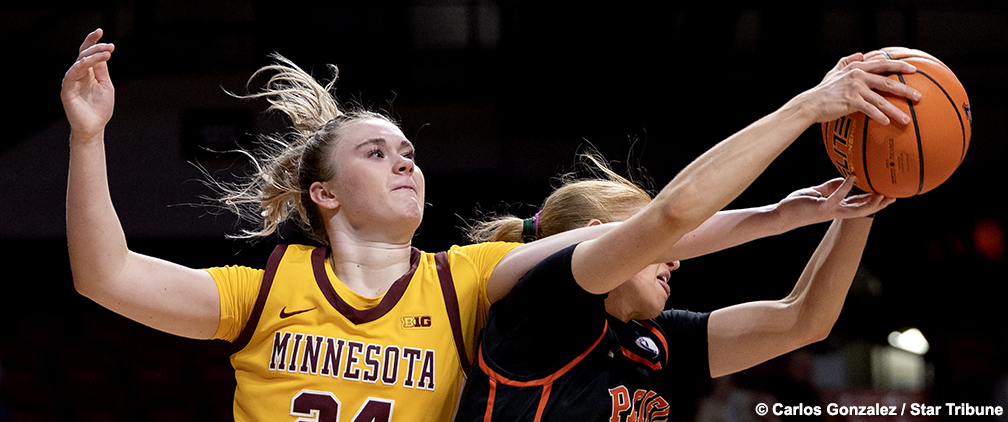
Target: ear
{"points": [[593, 222], [322, 196]]}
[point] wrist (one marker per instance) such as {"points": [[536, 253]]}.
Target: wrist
{"points": [[84, 138]]}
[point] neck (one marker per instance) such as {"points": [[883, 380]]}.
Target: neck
{"points": [[368, 267], [619, 310]]}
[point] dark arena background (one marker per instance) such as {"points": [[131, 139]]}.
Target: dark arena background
{"points": [[498, 97]]}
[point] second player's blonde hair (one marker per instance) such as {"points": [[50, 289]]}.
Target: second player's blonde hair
{"points": [[606, 196]]}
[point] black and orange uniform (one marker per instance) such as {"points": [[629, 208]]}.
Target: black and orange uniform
{"points": [[306, 347], [550, 352]]}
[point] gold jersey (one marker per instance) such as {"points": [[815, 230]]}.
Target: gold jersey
{"points": [[312, 349]]}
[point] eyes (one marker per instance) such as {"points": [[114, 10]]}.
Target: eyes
{"points": [[380, 153]]}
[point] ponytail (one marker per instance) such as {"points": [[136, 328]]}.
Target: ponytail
{"points": [[286, 165]]}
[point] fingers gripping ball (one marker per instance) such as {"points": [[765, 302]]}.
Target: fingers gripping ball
{"points": [[899, 160]]}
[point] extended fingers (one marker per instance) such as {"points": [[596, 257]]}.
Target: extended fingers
{"points": [[846, 61], [91, 39], [83, 64], [874, 75], [840, 188], [866, 204], [829, 187], [879, 108]]}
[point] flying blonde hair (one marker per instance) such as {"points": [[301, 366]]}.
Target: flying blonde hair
{"points": [[286, 165]]}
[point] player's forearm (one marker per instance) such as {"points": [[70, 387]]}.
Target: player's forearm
{"points": [[726, 229], [822, 288], [718, 176], [97, 245], [516, 263], [745, 335]]}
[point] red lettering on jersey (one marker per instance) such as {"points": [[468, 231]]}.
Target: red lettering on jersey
{"points": [[620, 402], [658, 409], [642, 406]]}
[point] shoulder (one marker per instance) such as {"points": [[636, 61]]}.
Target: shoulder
{"points": [[486, 249], [481, 256], [235, 273]]}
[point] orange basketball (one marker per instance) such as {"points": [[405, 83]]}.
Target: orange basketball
{"points": [[899, 160]]}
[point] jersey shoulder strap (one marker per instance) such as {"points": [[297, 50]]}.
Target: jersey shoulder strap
{"points": [[271, 269], [452, 306]]}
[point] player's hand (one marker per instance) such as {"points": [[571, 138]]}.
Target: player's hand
{"points": [[854, 85], [829, 201], [87, 94]]}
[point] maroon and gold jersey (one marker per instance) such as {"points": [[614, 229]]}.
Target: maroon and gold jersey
{"points": [[312, 349]]}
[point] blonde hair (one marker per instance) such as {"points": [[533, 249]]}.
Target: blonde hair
{"points": [[605, 196], [287, 164]]}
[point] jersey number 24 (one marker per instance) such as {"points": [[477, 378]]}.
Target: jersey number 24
{"points": [[323, 406]]}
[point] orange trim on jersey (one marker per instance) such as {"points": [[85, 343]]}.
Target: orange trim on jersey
{"points": [[488, 416], [661, 337], [642, 360], [546, 382]]}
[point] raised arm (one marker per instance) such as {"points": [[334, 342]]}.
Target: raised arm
{"points": [[725, 229], [803, 207], [154, 292], [719, 175], [745, 335]]}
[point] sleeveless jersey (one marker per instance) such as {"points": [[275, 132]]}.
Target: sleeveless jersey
{"points": [[306, 353], [572, 362]]}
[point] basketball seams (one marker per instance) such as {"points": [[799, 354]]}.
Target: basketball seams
{"points": [[920, 146], [925, 137], [962, 126], [864, 153]]}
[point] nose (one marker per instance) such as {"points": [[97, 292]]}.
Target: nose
{"points": [[405, 165], [672, 266]]}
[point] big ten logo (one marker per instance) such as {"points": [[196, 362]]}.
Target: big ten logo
{"points": [[421, 321], [843, 137]]}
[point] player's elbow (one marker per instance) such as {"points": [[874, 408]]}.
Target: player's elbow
{"points": [[680, 210], [86, 286], [804, 325], [818, 333]]}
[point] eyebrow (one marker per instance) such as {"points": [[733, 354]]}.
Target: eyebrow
{"points": [[382, 142]]}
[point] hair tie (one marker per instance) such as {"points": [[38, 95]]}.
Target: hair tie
{"points": [[530, 228]]}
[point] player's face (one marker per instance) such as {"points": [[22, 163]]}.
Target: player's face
{"points": [[647, 291], [377, 183]]}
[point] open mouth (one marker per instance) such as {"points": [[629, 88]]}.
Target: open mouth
{"points": [[663, 282]]}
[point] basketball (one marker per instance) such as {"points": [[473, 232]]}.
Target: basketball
{"points": [[898, 160]]}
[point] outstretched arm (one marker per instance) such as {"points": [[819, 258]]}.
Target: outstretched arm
{"points": [[725, 229], [711, 182], [719, 175], [803, 207], [154, 292], [742, 336]]}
